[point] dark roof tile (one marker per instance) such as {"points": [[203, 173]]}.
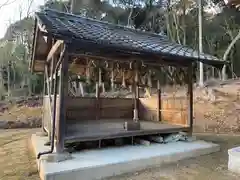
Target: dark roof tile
{"points": [[77, 28]]}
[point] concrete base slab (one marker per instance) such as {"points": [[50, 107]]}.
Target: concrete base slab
{"points": [[102, 163], [234, 160]]}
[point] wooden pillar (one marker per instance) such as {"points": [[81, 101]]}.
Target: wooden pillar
{"points": [[63, 95], [53, 63], [190, 98], [44, 93], [136, 94], [47, 79], [159, 101], [98, 80], [97, 101], [112, 78]]}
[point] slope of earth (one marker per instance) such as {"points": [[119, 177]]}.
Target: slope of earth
{"points": [[22, 114], [217, 108]]}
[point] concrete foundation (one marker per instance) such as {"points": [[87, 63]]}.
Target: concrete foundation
{"points": [[102, 163], [234, 160]]}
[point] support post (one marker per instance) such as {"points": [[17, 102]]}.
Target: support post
{"points": [[112, 78], [136, 94], [98, 80], [53, 64], [44, 92], [135, 124], [63, 95], [159, 105], [50, 102], [190, 98]]}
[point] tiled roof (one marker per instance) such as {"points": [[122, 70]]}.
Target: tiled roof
{"points": [[79, 29]]}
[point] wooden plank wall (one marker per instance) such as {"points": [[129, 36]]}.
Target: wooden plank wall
{"points": [[174, 110], [115, 108], [86, 108]]}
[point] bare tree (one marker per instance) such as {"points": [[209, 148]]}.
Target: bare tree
{"points": [[29, 5], [21, 37], [234, 38], [200, 12], [228, 50], [7, 2]]}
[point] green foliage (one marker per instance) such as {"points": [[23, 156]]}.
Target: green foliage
{"points": [[178, 20]]}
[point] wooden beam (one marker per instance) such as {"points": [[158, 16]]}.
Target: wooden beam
{"points": [[136, 93], [63, 95], [48, 82], [52, 68], [46, 75], [156, 61], [123, 61], [43, 31], [159, 105], [98, 94], [53, 50], [44, 93], [42, 28]]}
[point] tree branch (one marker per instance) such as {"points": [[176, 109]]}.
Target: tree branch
{"points": [[7, 2], [237, 37], [228, 50], [29, 7]]}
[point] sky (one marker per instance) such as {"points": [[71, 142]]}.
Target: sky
{"points": [[11, 12]]}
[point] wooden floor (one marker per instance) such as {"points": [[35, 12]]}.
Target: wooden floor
{"points": [[108, 129]]}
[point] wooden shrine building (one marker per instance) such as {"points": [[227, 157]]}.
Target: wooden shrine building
{"points": [[100, 52]]}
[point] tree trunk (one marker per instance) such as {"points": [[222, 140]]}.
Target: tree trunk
{"points": [[200, 12], [29, 86], [228, 50], [184, 23], [167, 16], [175, 18], [73, 9], [14, 77], [9, 81], [130, 18]]}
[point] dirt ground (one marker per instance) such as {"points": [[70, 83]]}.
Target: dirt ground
{"points": [[17, 162]]}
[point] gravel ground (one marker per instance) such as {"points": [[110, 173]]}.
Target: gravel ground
{"points": [[17, 162]]}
